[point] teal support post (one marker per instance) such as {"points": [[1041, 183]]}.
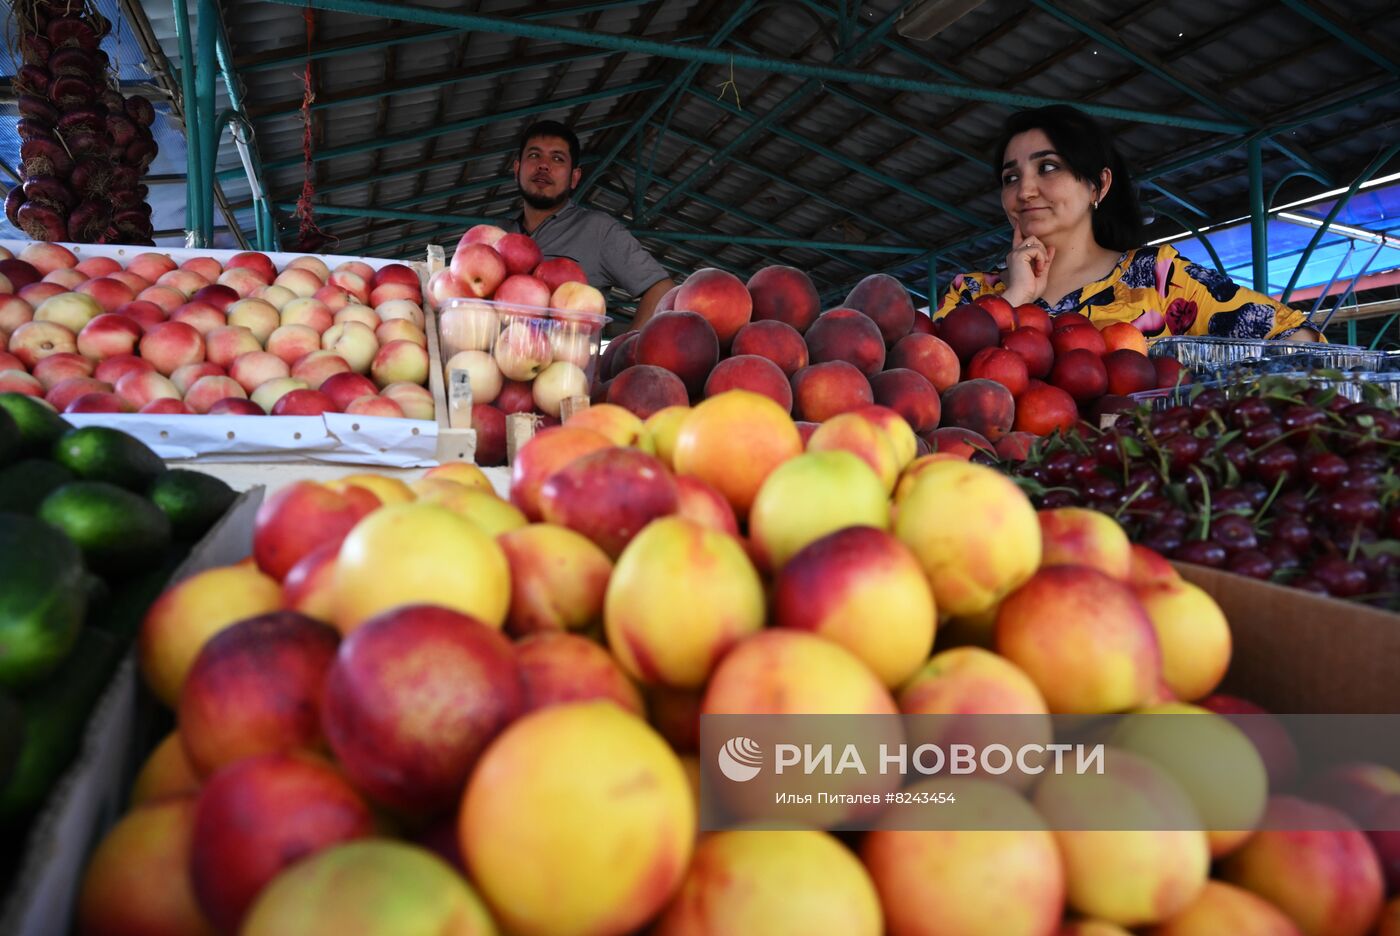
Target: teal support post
{"points": [[518, 27], [1197, 233], [1258, 217], [207, 18], [1385, 327], [933, 296], [194, 164]]}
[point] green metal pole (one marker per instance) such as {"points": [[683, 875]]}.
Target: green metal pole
{"points": [[933, 297], [396, 215], [194, 164], [516, 27], [1258, 217], [1196, 232], [207, 18]]}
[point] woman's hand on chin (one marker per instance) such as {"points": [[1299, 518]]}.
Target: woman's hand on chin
{"points": [[1027, 267]]}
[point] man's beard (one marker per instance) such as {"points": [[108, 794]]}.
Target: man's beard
{"points": [[542, 202]]}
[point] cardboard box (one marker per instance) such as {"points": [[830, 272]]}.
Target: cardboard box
{"points": [[1300, 653], [92, 793]]}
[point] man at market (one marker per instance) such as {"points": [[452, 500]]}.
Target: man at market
{"points": [[546, 173]]}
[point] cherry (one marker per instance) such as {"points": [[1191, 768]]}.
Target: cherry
{"points": [[1251, 563], [1260, 433], [1145, 477], [1109, 450], [1294, 502], [1355, 480], [1256, 493], [1164, 540], [1209, 401], [1103, 489], [1037, 473], [1237, 453], [1309, 584], [1292, 530], [1173, 519], [1244, 413], [1086, 469], [1231, 502], [1281, 554], [1202, 552], [1058, 498], [1392, 524], [1351, 508], [1060, 467], [1342, 578], [1368, 461], [1234, 532], [1302, 417], [1274, 463], [1183, 450], [1325, 469]]}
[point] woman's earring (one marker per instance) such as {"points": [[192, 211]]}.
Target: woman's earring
{"points": [[1096, 204]]}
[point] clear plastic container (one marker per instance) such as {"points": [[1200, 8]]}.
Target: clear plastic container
{"points": [[1353, 385], [553, 350]]}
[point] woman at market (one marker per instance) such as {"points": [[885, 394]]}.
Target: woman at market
{"points": [[1077, 243]]}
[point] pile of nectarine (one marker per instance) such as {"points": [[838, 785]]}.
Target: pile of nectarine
{"points": [[426, 708], [235, 338]]}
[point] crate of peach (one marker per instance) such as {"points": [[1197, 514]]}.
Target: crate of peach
{"points": [[337, 348], [493, 348]]}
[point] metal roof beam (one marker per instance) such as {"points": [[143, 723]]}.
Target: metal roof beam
{"points": [[466, 220], [1081, 21], [1347, 34], [279, 58], [518, 27], [736, 19], [366, 146]]}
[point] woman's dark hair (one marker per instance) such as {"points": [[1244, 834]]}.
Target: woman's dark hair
{"points": [[1087, 149]]}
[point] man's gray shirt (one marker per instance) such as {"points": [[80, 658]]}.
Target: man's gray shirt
{"points": [[596, 241]]}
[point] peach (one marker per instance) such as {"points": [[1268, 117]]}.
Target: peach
{"points": [[137, 879], [1193, 635], [700, 502], [777, 341], [406, 554], [613, 423], [558, 668], [293, 342], [812, 495], [416, 402], [115, 368], [255, 688], [753, 373], [400, 330], [236, 406], [405, 310], [186, 615], [301, 283], [350, 283], [1076, 536], [165, 774], [223, 346], [680, 596], [263, 814], [576, 297], [369, 887], [684, 343], [167, 406], [314, 265], [203, 316], [1080, 372], [1224, 908], [14, 312], [303, 403], [545, 453], [821, 391], [968, 329], [111, 294], [846, 335], [1129, 838], [166, 298], [720, 297], [242, 282], [1311, 862], [184, 377], [413, 666], [171, 345], [99, 403], [36, 293], [259, 264], [929, 356], [312, 313], [63, 393], [1005, 367], [1067, 338], [645, 390], [308, 587], [218, 296], [207, 267], [664, 427], [1196, 748], [482, 507], [59, 367], [557, 383], [108, 335], [34, 341], [983, 406], [343, 313], [207, 391], [316, 367], [46, 257], [858, 435], [885, 301], [399, 361], [151, 265], [522, 289], [185, 282], [1068, 319], [1045, 410], [1390, 919], [800, 881], [1129, 371], [973, 531], [142, 389], [558, 579], [734, 441], [608, 496], [344, 388], [602, 863], [835, 585], [1000, 310], [523, 349], [9, 362], [67, 278], [557, 271], [1033, 316], [996, 869], [909, 394], [1082, 637], [964, 443], [1124, 335], [257, 316], [17, 381], [1015, 446], [619, 354], [1148, 567], [267, 393], [1034, 348], [905, 443], [72, 310], [296, 519], [392, 292], [275, 296], [783, 294]]}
